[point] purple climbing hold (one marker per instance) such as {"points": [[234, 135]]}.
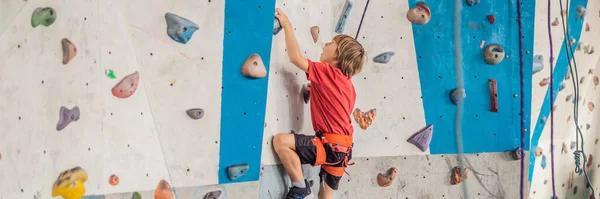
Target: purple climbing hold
{"points": [[213, 194], [236, 171], [516, 154], [422, 138], [195, 113], [67, 116], [306, 92]]}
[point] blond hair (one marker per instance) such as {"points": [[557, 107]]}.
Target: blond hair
{"points": [[350, 54]]}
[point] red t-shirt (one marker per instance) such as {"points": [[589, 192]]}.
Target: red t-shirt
{"points": [[332, 98]]}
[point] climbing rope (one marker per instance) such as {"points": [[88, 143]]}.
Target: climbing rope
{"points": [[361, 19], [522, 85], [459, 86], [551, 102], [575, 78]]}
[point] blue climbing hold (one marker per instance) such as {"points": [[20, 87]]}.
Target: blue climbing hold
{"points": [[276, 26], [543, 163], [538, 63], [180, 29], [562, 86], [236, 171], [457, 94], [339, 28], [383, 58]]}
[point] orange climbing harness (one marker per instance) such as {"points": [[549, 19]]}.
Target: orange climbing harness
{"points": [[336, 143]]}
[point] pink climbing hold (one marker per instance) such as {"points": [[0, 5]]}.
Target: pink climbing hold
{"points": [[127, 86], [422, 138]]}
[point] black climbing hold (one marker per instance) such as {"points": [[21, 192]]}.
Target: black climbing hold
{"points": [[516, 154], [43, 16], [236, 171], [306, 92], [180, 29], [422, 139], [276, 26], [67, 116], [457, 95], [213, 194], [493, 54], [472, 2], [383, 58], [195, 113], [574, 190], [339, 28]]}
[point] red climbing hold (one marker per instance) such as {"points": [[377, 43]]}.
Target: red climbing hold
{"points": [[493, 95], [254, 67], [491, 18], [69, 50], [591, 106], [127, 86], [545, 81], [384, 180]]}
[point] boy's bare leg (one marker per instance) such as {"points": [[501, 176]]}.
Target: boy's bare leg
{"points": [[325, 192], [285, 147]]}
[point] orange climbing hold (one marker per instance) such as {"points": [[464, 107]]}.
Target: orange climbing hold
{"points": [[364, 119], [420, 14], [384, 180], [163, 191], [554, 108], [127, 86], [314, 32], [596, 80], [458, 175], [113, 180], [254, 67], [69, 50], [589, 161]]}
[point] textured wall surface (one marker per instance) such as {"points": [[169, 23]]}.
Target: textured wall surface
{"points": [[148, 137]]}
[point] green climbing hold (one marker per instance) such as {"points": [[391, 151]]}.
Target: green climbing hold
{"points": [[44, 16], [136, 195], [110, 73]]}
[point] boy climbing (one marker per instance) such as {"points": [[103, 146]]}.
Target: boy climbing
{"points": [[332, 98]]}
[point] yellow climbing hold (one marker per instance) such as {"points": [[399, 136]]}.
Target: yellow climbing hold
{"points": [[70, 184]]}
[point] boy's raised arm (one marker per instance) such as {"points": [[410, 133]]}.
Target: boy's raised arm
{"points": [[293, 50]]}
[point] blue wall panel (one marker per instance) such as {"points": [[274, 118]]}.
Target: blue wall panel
{"points": [[574, 28], [248, 29], [482, 130]]}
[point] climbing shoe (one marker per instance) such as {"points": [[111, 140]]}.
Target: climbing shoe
{"points": [[299, 193]]}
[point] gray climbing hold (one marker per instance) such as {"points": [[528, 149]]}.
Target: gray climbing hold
{"points": [[580, 12], [195, 113], [339, 28], [587, 126], [472, 2], [180, 29], [516, 154], [573, 145], [562, 86], [213, 194], [569, 97], [67, 116], [457, 94], [306, 92], [538, 63], [555, 22], [545, 181], [493, 54], [422, 139], [276, 26], [236, 171], [544, 119], [384, 58]]}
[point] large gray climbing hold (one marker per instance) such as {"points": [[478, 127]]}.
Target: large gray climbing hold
{"points": [[580, 12], [422, 139], [493, 54], [67, 116], [306, 92], [213, 194], [384, 58], [276, 26], [180, 29], [339, 28], [472, 2], [516, 154], [538, 63], [236, 171], [195, 113], [457, 95]]}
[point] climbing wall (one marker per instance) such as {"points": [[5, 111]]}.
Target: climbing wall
{"points": [[110, 99], [568, 183]]}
